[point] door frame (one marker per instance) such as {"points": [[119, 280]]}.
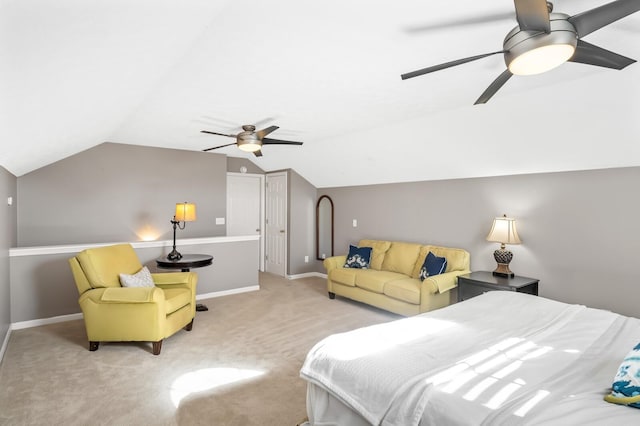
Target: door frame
{"points": [[262, 211]]}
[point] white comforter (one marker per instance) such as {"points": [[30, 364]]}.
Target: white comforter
{"points": [[499, 358]]}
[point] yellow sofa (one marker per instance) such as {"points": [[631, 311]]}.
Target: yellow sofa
{"points": [[392, 280], [130, 314]]}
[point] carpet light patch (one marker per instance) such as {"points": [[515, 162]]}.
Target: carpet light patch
{"points": [[207, 379]]}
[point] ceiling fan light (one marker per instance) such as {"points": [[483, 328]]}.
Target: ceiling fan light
{"points": [[541, 59], [530, 52], [249, 146]]}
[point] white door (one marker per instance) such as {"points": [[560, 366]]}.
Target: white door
{"points": [[276, 223], [245, 211]]}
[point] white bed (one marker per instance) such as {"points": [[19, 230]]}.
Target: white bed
{"points": [[499, 358]]}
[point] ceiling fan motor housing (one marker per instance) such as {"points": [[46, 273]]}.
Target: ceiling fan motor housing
{"points": [[520, 44], [248, 140]]}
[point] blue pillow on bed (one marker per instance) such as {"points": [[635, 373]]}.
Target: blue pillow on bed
{"points": [[626, 384], [433, 265], [358, 257]]}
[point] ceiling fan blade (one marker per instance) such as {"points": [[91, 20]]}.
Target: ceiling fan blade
{"points": [[446, 65], [594, 19], [494, 87], [264, 132], [216, 133], [269, 141], [257, 153], [221, 146], [590, 54], [532, 15]]}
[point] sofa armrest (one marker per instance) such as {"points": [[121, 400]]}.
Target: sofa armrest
{"points": [[443, 282], [334, 262], [168, 278], [127, 295], [176, 280]]}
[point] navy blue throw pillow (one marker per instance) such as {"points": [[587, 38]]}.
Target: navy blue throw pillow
{"points": [[433, 265], [358, 257]]}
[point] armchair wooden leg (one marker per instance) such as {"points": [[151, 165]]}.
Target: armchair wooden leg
{"points": [[93, 346], [157, 347], [332, 295], [189, 326]]}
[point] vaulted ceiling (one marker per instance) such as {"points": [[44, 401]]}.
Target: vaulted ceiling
{"points": [[74, 74]]}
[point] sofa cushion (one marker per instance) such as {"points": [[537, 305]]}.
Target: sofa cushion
{"points": [[433, 265], [457, 259], [405, 289], [377, 254], [374, 281], [401, 257], [102, 265], [176, 298], [344, 276], [358, 257]]}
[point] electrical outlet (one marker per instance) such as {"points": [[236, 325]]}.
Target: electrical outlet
{"points": [[306, 259], [355, 223], [219, 220]]}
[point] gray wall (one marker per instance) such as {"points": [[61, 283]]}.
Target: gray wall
{"points": [[7, 240], [235, 163], [42, 285], [302, 210], [116, 192], [580, 230]]}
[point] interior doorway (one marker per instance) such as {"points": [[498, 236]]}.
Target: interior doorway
{"points": [[276, 223], [245, 208]]}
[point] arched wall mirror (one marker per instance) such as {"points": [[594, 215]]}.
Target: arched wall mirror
{"points": [[324, 227]]}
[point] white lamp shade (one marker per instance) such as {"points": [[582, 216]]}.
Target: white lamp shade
{"points": [[185, 212], [504, 231]]}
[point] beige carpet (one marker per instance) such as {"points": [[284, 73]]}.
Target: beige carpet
{"points": [[239, 365]]}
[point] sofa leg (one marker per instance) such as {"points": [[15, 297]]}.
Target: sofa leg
{"points": [[93, 346], [332, 295], [157, 346], [189, 326]]}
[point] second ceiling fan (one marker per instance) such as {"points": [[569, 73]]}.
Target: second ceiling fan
{"points": [[250, 140], [544, 40]]}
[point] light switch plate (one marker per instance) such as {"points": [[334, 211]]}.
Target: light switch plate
{"points": [[355, 223]]}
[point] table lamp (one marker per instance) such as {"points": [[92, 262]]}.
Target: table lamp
{"points": [[185, 212], [504, 232]]}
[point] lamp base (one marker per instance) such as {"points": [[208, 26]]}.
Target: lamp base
{"points": [[503, 271], [503, 258], [174, 255]]}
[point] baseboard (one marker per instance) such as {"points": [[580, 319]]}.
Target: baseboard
{"points": [[306, 275], [227, 292], [45, 321], [5, 343], [71, 317]]}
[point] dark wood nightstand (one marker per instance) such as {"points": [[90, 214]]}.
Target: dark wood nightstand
{"points": [[476, 283]]}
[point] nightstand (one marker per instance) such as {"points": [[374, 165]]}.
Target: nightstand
{"points": [[476, 283]]}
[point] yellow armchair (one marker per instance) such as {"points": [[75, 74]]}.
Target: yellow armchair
{"points": [[113, 313]]}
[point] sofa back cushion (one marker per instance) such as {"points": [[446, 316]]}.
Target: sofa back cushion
{"points": [[457, 259], [103, 265], [401, 257], [377, 254]]}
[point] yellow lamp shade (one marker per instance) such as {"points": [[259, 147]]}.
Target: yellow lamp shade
{"points": [[185, 212]]}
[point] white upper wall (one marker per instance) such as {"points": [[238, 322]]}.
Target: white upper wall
{"points": [[75, 74]]}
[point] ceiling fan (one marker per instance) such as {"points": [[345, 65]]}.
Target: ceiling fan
{"points": [[250, 140], [543, 40]]}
